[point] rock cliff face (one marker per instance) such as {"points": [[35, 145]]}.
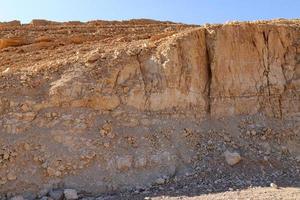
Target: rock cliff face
{"points": [[102, 105], [255, 68]]}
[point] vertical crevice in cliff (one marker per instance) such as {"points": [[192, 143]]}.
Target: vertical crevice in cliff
{"points": [[147, 93], [266, 60], [266, 64], [280, 106], [182, 66], [208, 84], [209, 58]]}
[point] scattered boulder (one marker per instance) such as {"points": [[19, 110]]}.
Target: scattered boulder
{"points": [[93, 58], [56, 194], [232, 158], [17, 198], [273, 185], [70, 194], [43, 193], [160, 181]]}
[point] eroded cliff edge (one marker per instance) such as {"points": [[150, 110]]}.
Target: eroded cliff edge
{"points": [[101, 106], [221, 71]]}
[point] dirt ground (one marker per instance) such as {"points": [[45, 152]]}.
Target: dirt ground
{"points": [[246, 194]]}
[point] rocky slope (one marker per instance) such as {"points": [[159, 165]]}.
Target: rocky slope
{"points": [[106, 106]]}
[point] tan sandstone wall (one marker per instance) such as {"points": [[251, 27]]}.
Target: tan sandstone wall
{"points": [[255, 68]]}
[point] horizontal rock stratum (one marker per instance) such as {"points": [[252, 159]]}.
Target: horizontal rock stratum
{"points": [[96, 106]]}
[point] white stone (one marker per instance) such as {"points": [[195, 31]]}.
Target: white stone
{"points": [[17, 198], [160, 181], [70, 194], [232, 158], [273, 185]]}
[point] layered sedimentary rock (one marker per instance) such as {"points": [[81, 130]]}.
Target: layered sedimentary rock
{"points": [[96, 106], [255, 68]]}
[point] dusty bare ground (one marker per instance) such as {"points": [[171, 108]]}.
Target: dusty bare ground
{"points": [[246, 194]]}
